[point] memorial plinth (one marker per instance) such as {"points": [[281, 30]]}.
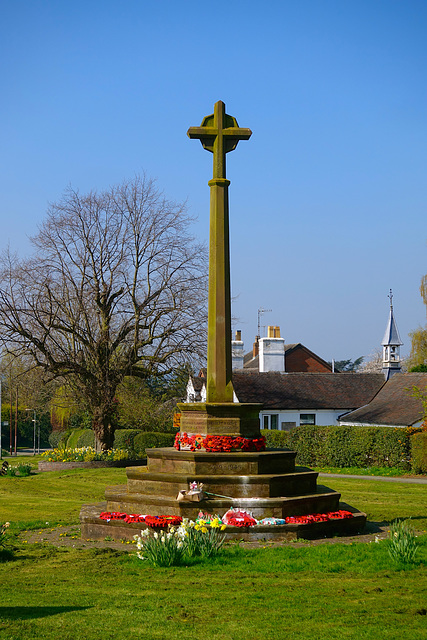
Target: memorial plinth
{"points": [[220, 418], [266, 483]]}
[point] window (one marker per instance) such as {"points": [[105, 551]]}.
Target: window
{"points": [[270, 421], [287, 426], [307, 418]]}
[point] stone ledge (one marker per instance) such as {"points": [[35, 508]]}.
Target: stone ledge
{"points": [[94, 528]]}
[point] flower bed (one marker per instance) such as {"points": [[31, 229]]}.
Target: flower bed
{"points": [[86, 454], [218, 444], [86, 457]]}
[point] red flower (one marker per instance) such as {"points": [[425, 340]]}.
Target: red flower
{"points": [[133, 517], [241, 521], [224, 444], [162, 522], [318, 517]]}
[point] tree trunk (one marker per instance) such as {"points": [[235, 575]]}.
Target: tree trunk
{"points": [[104, 432]]}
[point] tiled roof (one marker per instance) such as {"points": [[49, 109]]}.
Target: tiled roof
{"points": [[391, 335], [307, 390], [198, 382], [393, 405], [251, 362]]}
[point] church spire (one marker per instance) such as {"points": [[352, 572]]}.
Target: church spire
{"points": [[391, 345]]}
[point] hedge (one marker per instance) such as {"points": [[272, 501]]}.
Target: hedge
{"points": [[58, 439], [148, 440], [124, 438], [346, 446], [138, 441], [74, 437], [86, 438], [419, 452]]}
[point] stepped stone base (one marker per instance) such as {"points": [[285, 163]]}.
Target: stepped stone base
{"points": [[265, 483]]}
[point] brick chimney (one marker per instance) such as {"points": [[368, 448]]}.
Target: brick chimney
{"points": [[255, 348]]}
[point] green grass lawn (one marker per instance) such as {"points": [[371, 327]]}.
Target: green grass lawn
{"points": [[325, 592], [53, 496], [390, 472]]}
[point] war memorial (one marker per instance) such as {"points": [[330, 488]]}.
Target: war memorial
{"points": [[219, 447]]}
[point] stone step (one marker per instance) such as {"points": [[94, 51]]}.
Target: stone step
{"points": [[323, 499], [169, 460], [232, 486], [94, 528]]}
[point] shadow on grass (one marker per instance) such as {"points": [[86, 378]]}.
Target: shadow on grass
{"points": [[378, 526], [26, 613], [6, 555]]}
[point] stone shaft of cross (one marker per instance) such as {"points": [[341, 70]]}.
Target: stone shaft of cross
{"points": [[219, 133]]}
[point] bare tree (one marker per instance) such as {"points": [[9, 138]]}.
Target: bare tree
{"points": [[373, 363], [116, 287]]}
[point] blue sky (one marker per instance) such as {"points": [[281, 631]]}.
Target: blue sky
{"points": [[328, 198]]}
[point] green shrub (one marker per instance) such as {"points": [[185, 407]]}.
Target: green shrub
{"points": [[58, 439], [124, 438], [148, 440], [346, 446], [74, 437], [86, 439], [276, 439], [419, 452]]}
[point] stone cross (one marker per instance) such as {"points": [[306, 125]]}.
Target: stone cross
{"points": [[219, 133]]}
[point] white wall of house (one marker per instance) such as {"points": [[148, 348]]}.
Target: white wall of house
{"points": [[287, 419], [192, 395]]}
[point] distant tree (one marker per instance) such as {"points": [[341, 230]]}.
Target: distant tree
{"points": [[418, 355], [27, 383], [171, 386], [373, 363], [423, 290], [116, 288], [347, 365], [420, 368], [19, 373], [138, 408]]}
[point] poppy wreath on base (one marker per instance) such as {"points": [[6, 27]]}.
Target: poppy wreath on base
{"points": [[242, 521], [133, 517], [218, 444], [319, 517], [162, 522], [114, 515]]}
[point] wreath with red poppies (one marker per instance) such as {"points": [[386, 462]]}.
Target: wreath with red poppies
{"points": [[162, 522], [319, 517], [218, 444]]}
